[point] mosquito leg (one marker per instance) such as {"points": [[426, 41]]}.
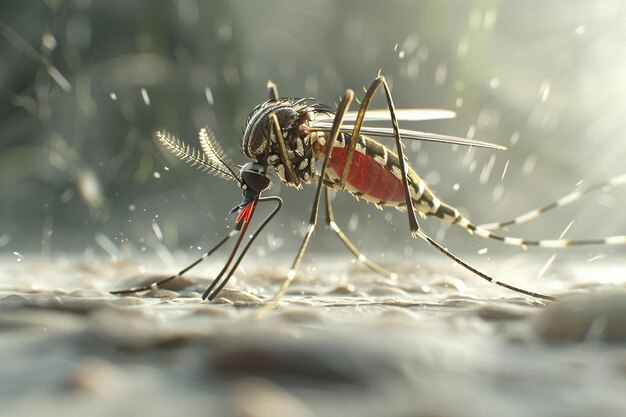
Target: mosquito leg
{"points": [[484, 276], [211, 295], [330, 222], [542, 243], [356, 130], [358, 122], [341, 111], [273, 127], [156, 284], [282, 149], [273, 90], [415, 229], [561, 202], [230, 257]]}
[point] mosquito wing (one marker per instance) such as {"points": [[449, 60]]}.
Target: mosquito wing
{"points": [[409, 134], [214, 163], [401, 114]]}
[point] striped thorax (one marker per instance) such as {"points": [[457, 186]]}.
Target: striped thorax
{"points": [[293, 118]]}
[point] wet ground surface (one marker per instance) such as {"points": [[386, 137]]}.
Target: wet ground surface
{"points": [[340, 344]]}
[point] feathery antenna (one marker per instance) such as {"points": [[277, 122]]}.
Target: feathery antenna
{"points": [[214, 163]]}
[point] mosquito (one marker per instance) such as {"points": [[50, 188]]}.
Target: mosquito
{"points": [[292, 135]]}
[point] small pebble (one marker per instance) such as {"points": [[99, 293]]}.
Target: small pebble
{"points": [[259, 397], [386, 291], [95, 377], [161, 293], [14, 298], [493, 312], [300, 315], [588, 317], [214, 311], [397, 315], [91, 293], [128, 301], [240, 297], [222, 300], [192, 294], [343, 289]]}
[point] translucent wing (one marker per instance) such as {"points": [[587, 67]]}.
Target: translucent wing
{"points": [[401, 114], [196, 158], [408, 134]]}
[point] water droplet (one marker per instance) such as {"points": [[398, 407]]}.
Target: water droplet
{"points": [[489, 20], [4, 239], [145, 96], [441, 74], [209, 96], [157, 231], [506, 166], [544, 90], [486, 172], [225, 32], [529, 165]]}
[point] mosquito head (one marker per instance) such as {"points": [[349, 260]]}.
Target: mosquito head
{"points": [[254, 181], [253, 178]]}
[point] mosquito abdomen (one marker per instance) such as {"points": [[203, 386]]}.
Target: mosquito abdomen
{"points": [[375, 177]]}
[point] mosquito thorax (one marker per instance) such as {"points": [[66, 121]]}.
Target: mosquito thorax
{"points": [[258, 125], [293, 117]]}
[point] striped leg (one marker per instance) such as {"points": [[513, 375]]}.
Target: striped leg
{"points": [[277, 134], [282, 150], [415, 229], [330, 222], [561, 202], [273, 90], [452, 215], [358, 122], [341, 111], [543, 243]]}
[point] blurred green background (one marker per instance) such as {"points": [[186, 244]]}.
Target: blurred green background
{"points": [[83, 84]]}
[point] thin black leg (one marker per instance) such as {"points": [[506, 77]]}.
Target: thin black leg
{"points": [[156, 284], [341, 111]]}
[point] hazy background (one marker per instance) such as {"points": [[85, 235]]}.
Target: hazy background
{"points": [[80, 173]]}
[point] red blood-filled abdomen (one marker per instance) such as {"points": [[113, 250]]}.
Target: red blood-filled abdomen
{"points": [[368, 177]]}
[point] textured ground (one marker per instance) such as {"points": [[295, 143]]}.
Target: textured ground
{"points": [[340, 344]]}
